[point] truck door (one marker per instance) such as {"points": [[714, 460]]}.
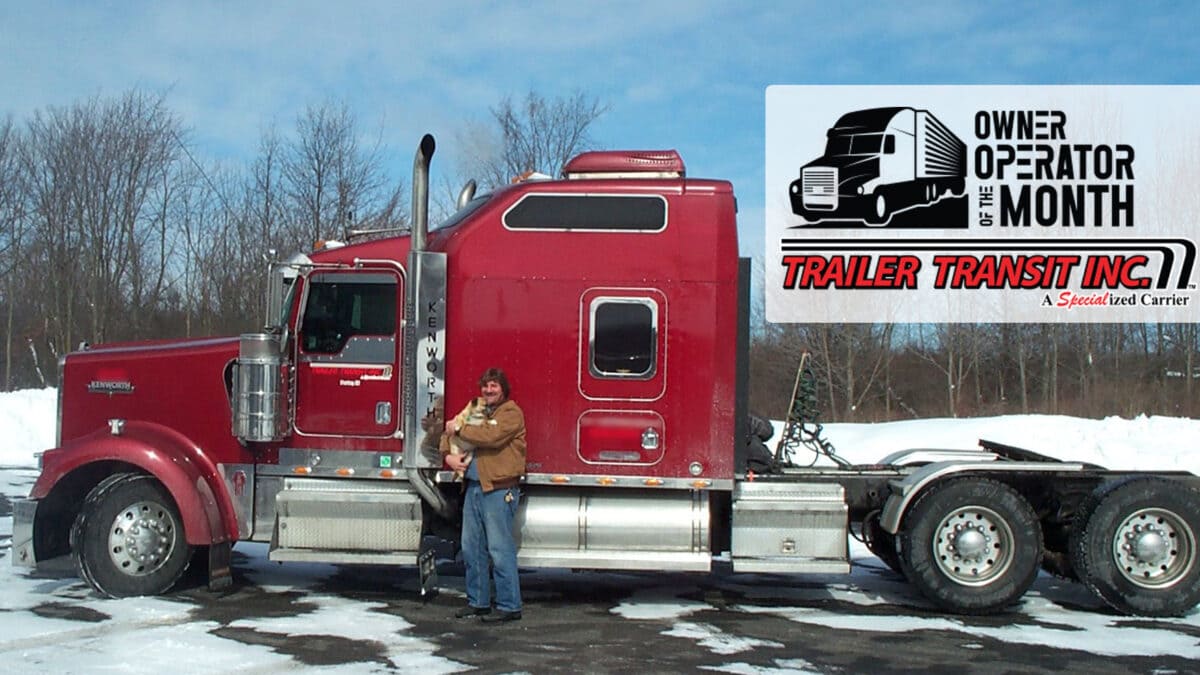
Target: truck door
{"points": [[347, 355], [622, 376]]}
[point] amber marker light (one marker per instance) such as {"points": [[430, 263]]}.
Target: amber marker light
{"points": [[606, 481], [388, 473], [302, 470], [345, 471], [700, 484], [560, 479], [653, 482]]}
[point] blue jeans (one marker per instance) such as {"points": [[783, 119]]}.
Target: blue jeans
{"points": [[487, 535]]}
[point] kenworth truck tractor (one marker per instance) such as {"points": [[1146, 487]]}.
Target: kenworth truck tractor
{"points": [[615, 300]]}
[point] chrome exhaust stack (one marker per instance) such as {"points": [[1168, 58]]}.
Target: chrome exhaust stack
{"points": [[420, 192], [425, 344]]}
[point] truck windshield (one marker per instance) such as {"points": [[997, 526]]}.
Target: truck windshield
{"points": [[854, 144]]}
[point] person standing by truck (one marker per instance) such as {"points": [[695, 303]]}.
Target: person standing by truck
{"points": [[492, 497]]}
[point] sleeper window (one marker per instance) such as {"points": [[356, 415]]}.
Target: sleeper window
{"points": [[624, 338]]}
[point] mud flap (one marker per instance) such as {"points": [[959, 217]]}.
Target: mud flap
{"points": [[220, 576], [427, 568]]}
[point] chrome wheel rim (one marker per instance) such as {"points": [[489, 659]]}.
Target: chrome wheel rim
{"points": [[141, 538], [973, 546], [1154, 548]]}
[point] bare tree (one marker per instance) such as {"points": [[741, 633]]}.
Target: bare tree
{"points": [[533, 134], [265, 189], [333, 180], [851, 360], [12, 235], [96, 172], [951, 357]]}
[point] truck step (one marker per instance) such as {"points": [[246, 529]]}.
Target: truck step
{"points": [[329, 516], [341, 557]]}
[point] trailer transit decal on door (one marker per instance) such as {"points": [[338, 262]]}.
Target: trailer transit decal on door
{"points": [[981, 203]]}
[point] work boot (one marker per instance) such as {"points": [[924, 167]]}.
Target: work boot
{"points": [[501, 616], [469, 611]]}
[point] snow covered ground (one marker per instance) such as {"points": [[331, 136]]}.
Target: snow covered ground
{"points": [[53, 623]]}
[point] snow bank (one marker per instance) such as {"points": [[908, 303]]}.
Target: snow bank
{"points": [[27, 424], [1143, 443]]}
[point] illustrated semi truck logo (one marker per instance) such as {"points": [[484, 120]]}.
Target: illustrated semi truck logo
{"points": [[883, 162]]}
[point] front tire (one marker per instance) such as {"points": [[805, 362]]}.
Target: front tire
{"points": [[878, 210], [1138, 547], [128, 538], [971, 545]]}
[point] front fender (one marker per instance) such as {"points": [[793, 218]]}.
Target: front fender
{"points": [[178, 463]]}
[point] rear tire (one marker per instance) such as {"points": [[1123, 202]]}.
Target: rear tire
{"points": [[128, 538], [971, 545], [1137, 549]]}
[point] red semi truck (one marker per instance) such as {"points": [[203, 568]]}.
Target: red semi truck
{"points": [[617, 303]]}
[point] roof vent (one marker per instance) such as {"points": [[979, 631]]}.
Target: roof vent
{"points": [[625, 164]]}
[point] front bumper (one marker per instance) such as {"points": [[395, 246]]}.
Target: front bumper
{"points": [[24, 511]]}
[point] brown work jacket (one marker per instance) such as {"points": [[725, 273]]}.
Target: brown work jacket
{"points": [[499, 446]]}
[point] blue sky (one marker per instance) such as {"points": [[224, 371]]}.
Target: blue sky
{"points": [[684, 75]]}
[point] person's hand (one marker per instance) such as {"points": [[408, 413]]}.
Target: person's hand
{"points": [[456, 463]]}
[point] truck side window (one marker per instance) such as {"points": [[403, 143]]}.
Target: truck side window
{"points": [[624, 339], [889, 145], [342, 306], [588, 213]]}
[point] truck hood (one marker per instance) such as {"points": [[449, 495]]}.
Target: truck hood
{"points": [[171, 382]]}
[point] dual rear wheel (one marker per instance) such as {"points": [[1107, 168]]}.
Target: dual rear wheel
{"points": [[974, 545], [1135, 546]]}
